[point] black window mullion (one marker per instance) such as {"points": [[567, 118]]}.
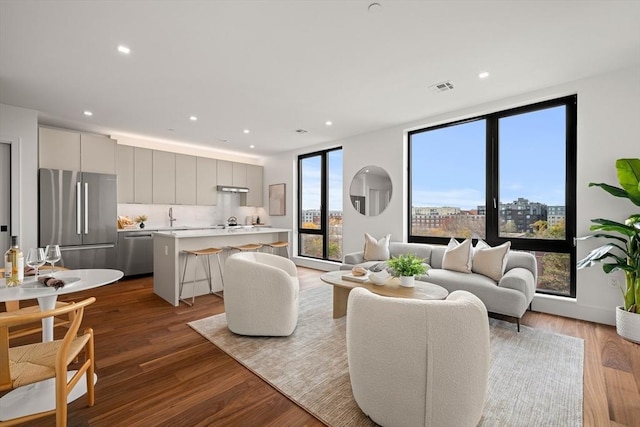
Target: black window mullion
{"points": [[492, 193], [324, 222]]}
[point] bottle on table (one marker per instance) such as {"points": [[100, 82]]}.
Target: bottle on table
{"points": [[14, 264]]}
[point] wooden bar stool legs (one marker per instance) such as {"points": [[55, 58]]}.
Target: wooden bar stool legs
{"points": [[205, 252]]}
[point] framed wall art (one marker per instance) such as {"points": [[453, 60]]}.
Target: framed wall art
{"points": [[277, 199]]}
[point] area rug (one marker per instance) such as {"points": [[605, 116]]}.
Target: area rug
{"points": [[535, 377]]}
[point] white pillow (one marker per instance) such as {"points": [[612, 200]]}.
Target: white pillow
{"points": [[489, 261], [457, 256], [376, 250]]}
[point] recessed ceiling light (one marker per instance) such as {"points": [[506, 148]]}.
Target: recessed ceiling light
{"points": [[252, 146], [88, 113], [328, 123], [246, 131], [193, 118], [483, 75], [124, 49]]}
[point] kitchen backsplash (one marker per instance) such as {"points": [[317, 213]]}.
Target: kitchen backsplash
{"points": [[194, 216]]}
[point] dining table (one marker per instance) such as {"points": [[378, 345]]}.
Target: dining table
{"points": [[75, 281], [40, 397]]}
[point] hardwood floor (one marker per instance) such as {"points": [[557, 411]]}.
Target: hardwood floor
{"points": [[153, 369]]}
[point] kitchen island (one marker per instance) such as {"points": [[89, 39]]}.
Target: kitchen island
{"points": [[169, 259]]}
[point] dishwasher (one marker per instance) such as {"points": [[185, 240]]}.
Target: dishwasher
{"points": [[135, 252]]}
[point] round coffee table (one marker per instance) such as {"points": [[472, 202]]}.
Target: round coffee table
{"points": [[392, 288]]}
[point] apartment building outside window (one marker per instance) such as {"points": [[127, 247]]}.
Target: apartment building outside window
{"points": [[504, 176]]}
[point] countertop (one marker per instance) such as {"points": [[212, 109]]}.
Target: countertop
{"points": [[177, 234], [186, 227]]}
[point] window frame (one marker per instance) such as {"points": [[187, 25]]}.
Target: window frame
{"points": [[564, 246], [324, 203]]}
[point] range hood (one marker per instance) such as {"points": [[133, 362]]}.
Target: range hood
{"points": [[232, 189]]}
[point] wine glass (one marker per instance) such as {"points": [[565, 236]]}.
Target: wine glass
{"points": [[52, 255], [35, 259]]}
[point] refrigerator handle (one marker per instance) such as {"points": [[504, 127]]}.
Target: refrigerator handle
{"points": [[86, 208], [78, 209]]}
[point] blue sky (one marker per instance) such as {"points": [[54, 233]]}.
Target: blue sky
{"points": [[311, 182], [449, 164]]}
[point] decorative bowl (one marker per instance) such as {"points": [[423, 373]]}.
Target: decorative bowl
{"points": [[379, 277]]}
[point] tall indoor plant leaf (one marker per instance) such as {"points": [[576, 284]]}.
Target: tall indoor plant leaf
{"points": [[621, 252], [628, 171]]}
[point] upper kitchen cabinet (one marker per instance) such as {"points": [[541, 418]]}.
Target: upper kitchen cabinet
{"points": [[254, 183], [97, 153], [125, 170], [164, 177], [143, 175], [71, 150], [206, 181], [59, 149], [186, 179], [225, 172], [239, 171]]}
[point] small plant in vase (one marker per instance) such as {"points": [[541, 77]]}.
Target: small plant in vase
{"points": [[407, 267], [141, 219]]}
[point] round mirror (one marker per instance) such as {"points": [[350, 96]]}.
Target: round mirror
{"points": [[370, 190]]}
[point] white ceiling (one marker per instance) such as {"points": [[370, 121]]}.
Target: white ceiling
{"points": [[274, 66]]}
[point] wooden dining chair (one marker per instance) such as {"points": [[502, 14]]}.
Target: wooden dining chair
{"points": [[32, 363]]}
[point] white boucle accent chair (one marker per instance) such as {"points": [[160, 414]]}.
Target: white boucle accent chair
{"points": [[261, 294], [418, 363]]}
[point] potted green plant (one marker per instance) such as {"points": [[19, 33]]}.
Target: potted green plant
{"points": [[407, 267], [621, 252]]}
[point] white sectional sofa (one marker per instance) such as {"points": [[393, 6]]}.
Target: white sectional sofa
{"points": [[510, 296]]}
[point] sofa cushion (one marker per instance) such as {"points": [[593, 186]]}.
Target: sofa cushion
{"points": [[457, 256], [497, 299], [376, 250], [490, 261]]}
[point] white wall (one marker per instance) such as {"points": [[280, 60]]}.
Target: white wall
{"points": [[20, 127], [608, 128]]}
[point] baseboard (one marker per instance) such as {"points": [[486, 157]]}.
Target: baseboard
{"points": [[569, 307], [316, 264]]}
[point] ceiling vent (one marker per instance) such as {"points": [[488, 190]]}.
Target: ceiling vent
{"points": [[442, 87], [301, 131]]}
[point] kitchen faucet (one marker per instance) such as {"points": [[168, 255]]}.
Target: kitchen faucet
{"points": [[171, 218]]}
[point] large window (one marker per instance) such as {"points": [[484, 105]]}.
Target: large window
{"points": [[508, 175], [320, 205]]}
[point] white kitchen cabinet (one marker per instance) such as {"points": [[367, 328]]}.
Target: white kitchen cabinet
{"points": [[164, 177], [254, 182], [72, 150], [206, 181], [59, 149], [143, 175], [97, 153], [186, 179], [225, 172], [239, 171], [125, 171]]}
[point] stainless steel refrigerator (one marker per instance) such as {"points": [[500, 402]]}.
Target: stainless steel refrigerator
{"points": [[78, 211]]}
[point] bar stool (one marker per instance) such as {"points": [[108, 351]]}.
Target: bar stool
{"points": [[278, 245], [205, 252], [246, 248]]}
